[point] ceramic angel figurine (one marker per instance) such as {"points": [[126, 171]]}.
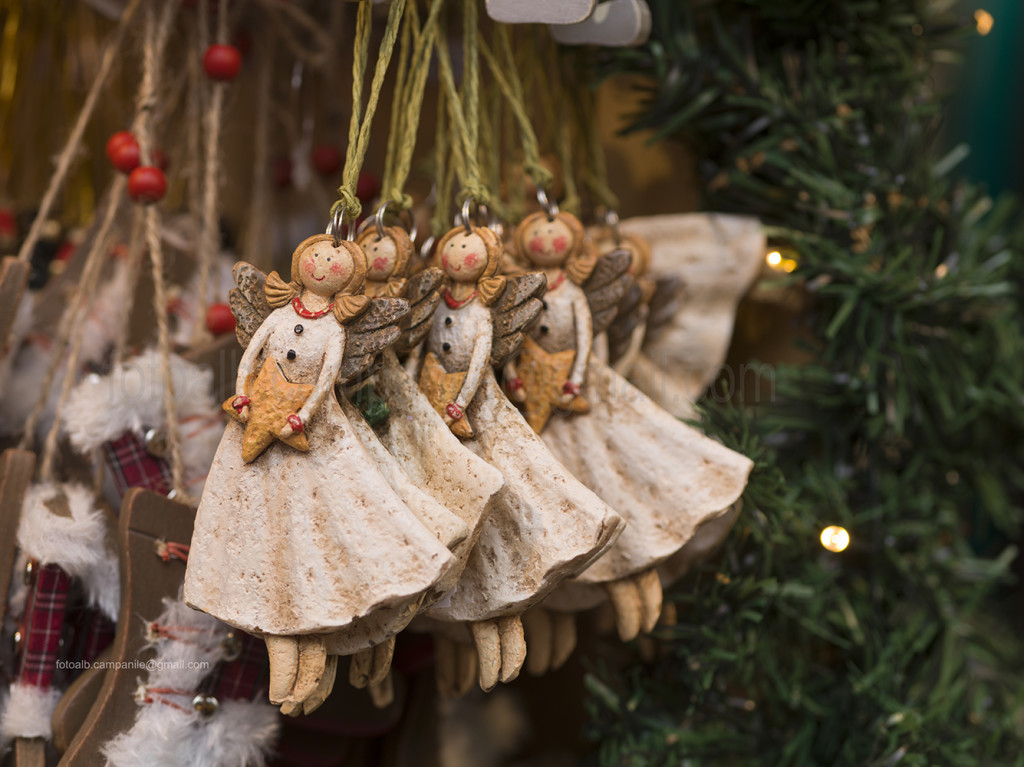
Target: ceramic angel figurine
{"points": [[545, 526], [301, 537], [662, 476]]}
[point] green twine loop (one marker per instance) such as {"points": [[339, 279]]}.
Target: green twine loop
{"points": [[359, 130]]}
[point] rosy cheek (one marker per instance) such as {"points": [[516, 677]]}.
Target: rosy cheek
{"points": [[560, 244], [444, 260], [309, 266], [472, 259], [537, 244], [380, 263]]}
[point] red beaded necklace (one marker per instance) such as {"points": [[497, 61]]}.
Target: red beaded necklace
{"points": [[454, 303], [559, 281], [302, 311]]}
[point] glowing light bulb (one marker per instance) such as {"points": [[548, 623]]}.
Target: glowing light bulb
{"points": [[774, 258], [835, 538], [984, 20]]}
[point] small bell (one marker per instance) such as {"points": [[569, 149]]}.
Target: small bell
{"points": [[30, 571], [231, 646], [205, 705], [156, 442]]}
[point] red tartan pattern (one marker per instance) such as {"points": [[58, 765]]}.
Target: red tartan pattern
{"points": [[133, 466], [99, 634], [246, 676], [44, 622]]}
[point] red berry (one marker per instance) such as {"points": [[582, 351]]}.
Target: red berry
{"points": [[147, 184], [326, 159], [367, 187], [219, 319], [222, 62], [123, 151]]}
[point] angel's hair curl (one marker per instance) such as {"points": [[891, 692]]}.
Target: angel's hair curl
{"points": [[491, 285], [582, 257], [349, 302]]}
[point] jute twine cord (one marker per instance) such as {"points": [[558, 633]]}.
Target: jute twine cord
{"points": [[155, 44], [72, 320], [406, 112], [255, 246], [134, 270], [84, 297], [70, 152], [209, 238], [360, 124]]}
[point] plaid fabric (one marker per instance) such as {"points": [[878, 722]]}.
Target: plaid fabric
{"points": [[133, 466], [247, 675], [99, 633], [44, 621]]}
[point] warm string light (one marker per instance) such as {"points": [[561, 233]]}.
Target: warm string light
{"points": [[835, 538], [984, 21], [779, 262]]}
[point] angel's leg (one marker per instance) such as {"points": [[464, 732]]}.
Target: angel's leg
{"points": [[637, 603], [299, 669], [371, 666], [501, 647]]}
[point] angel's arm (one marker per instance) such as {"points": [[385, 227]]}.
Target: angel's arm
{"points": [[584, 338], [252, 351], [600, 349], [478, 363], [412, 362], [624, 365], [328, 374]]}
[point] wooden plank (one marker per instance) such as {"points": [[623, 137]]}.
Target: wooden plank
{"points": [[75, 704], [145, 580], [540, 11], [615, 24], [16, 468], [13, 279]]}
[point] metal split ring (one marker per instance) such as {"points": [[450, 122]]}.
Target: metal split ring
{"points": [[550, 206], [337, 222]]}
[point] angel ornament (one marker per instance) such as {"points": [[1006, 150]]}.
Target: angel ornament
{"points": [[545, 526], [663, 477], [301, 536]]}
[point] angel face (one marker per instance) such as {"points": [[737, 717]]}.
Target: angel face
{"points": [[381, 257], [324, 269], [464, 257], [547, 243]]}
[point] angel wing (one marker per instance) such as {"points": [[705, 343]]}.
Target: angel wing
{"points": [[513, 313], [248, 301], [666, 301], [423, 293], [369, 335], [631, 311], [605, 287]]}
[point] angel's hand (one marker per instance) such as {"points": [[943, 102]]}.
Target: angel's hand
{"points": [[452, 413], [570, 391], [516, 390], [293, 426], [241, 405]]}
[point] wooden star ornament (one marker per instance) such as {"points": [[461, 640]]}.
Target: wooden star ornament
{"points": [[543, 374], [272, 398], [441, 388]]}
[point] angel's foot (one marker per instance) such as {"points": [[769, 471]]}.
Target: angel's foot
{"points": [[501, 647], [550, 638], [637, 603], [323, 689], [382, 693], [298, 670], [371, 666], [456, 667]]}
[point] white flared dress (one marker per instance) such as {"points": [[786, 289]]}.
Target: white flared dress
{"points": [[318, 542], [545, 526], [665, 478]]}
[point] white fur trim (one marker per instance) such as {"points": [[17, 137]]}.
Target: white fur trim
{"points": [[131, 398], [240, 734], [79, 543], [28, 713]]}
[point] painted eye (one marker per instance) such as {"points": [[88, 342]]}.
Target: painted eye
{"points": [[328, 259]]}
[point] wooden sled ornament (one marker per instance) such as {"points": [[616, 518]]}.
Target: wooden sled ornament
{"points": [[13, 279], [146, 518], [16, 468]]}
